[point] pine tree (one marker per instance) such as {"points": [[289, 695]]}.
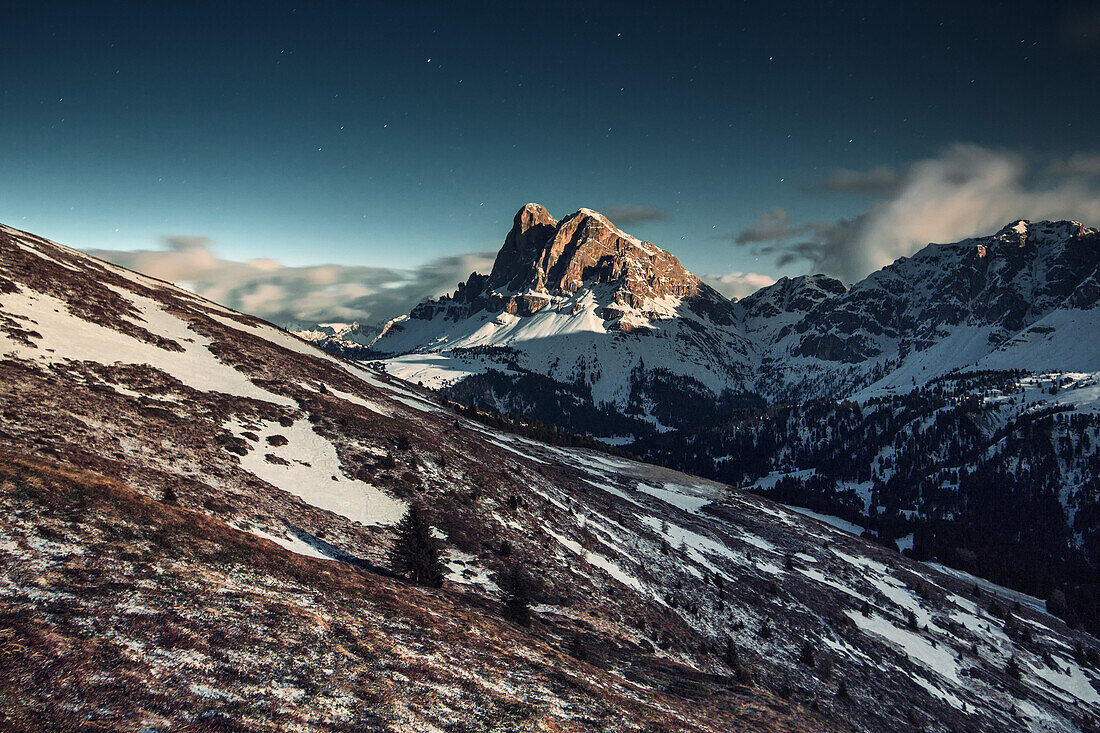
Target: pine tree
{"points": [[415, 552], [807, 655], [733, 660], [517, 596]]}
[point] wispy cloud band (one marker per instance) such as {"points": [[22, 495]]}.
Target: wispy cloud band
{"points": [[291, 296]]}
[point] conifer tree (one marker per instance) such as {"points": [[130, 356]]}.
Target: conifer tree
{"points": [[415, 552], [517, 596], [807, 655], [733, 660]]}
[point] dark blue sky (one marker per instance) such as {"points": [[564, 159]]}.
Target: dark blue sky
{"points": [[391, 133]]}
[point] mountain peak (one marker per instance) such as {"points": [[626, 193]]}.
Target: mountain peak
{"points": [[1023, 228], [551, 258], [531, 226]]}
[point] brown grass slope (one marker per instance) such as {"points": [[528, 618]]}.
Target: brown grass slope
{"points": [[121, 612]]}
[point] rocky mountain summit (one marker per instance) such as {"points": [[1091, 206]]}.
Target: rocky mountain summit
{"points": [[199, 509], [1017, 299], [544, 262], [620, 325]]}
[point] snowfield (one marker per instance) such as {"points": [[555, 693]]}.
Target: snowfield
{"points": [[307, 467]]}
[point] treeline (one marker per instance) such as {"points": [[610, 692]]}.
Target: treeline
{"points": [[982, 480], [528, 427], [568, 407]]}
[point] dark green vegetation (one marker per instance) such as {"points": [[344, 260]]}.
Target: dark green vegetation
{"points": [[981, 475], [416, 553]]}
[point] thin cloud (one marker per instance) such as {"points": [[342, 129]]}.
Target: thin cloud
{"points": [[299, 296], [771, 225], [736, 285], [1080, 164], [630, 214], [965, 191], [880, 181]]}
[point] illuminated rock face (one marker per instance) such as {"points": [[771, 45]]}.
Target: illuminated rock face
{"points": [[542, 256], [584, 304]]}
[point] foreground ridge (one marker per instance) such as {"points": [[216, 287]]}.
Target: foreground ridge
{"points": [[201, 507]]}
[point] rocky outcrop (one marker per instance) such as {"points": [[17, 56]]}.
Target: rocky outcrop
{"points": [[999, 284], [531, 229], [586, 249], [543, 259]]}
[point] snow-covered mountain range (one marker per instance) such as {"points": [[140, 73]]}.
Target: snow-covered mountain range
{"points": [[198, 508], [946, 403], [351, 340], [579, 302], [617, 324]]}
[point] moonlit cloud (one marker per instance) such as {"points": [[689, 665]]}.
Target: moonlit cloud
{"points": [[292, 296], [1080, 164], [965, 191], [737, 285]]}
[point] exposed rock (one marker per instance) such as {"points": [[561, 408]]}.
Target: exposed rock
{"points": [[543, 259]]}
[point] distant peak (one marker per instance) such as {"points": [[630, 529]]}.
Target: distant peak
{"points": [[1024, 228], [556, 258]]}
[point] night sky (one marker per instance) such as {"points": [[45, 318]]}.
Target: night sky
{"points": [[745, 137]]}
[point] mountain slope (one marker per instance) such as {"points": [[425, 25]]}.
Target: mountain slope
{"points": [[1020, 299], [623, 328], [580, 303], [201, 507]]}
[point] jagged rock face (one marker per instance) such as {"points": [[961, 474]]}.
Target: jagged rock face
{"points": [[587, 249], [543, 259], [1002, 284], [532, 227]]}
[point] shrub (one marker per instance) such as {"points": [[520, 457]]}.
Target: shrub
{"points": [[733, 660]]}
